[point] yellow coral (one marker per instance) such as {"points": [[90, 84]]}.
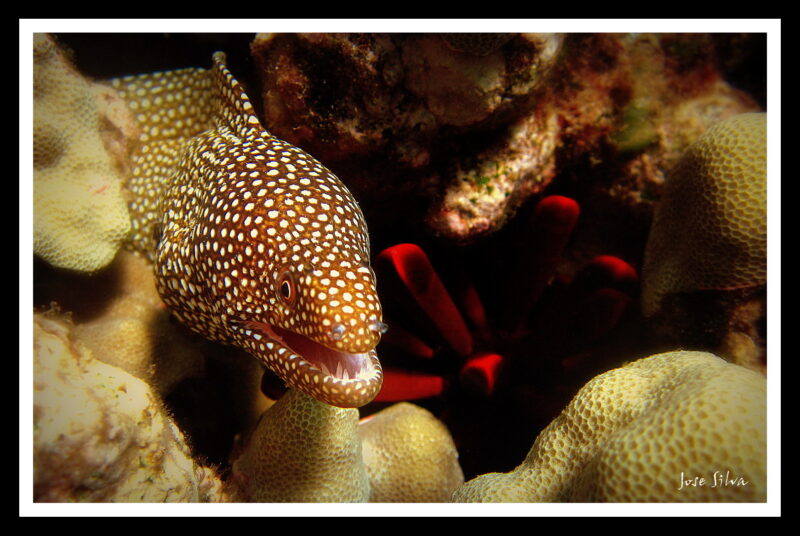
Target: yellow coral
{"points": [[647, 432], [710, 228], [409, 456], [80, 215], [102, 435], [303, 451]]}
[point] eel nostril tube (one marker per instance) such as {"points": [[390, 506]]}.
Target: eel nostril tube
{"points": [[378, 326], [337, 332]]}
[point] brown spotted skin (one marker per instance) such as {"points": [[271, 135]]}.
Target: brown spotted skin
{"points": [[253, 240]]}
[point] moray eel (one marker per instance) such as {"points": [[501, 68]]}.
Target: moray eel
{"points": [[254, 242]]}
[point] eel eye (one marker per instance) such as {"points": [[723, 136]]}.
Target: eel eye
{"points": [[286, 288]]}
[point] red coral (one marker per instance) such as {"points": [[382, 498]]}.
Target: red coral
{"points": [[412, 267], [521, 361]]}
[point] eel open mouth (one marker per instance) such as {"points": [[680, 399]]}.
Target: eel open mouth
{"points": [[332, 376], [340, 365]]}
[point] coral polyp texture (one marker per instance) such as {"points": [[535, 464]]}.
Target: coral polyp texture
{"points": [[705, 264], [409, 456], [303, 451], [647, 432], [710, 228], [101, 434], [81, 133]]}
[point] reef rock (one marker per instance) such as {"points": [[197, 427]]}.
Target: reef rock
{"points": [[432, 115], [472, 126], [345, 95], [102, 435], [673, 427], [484, 188], [81, 136]]}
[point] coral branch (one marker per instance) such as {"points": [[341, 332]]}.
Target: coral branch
{"points": [[480, 373], [400, 385], [411, 265], [550, 228]]}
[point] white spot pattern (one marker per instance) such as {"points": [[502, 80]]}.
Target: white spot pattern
{"points": [[233, 216]]}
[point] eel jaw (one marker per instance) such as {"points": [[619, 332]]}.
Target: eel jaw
{"points": [[346, 380]]}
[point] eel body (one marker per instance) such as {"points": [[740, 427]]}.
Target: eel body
{"points": [[255, 243]]}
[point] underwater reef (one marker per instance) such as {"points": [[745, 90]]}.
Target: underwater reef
{"points": [[399, 268]]}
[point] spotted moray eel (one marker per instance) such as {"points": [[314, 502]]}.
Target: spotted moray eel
{"points": [[255, 243]]}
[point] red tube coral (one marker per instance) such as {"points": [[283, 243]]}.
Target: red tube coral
{"points": [[549, 230], [400, 385], [480, 372], [411, 265]]}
